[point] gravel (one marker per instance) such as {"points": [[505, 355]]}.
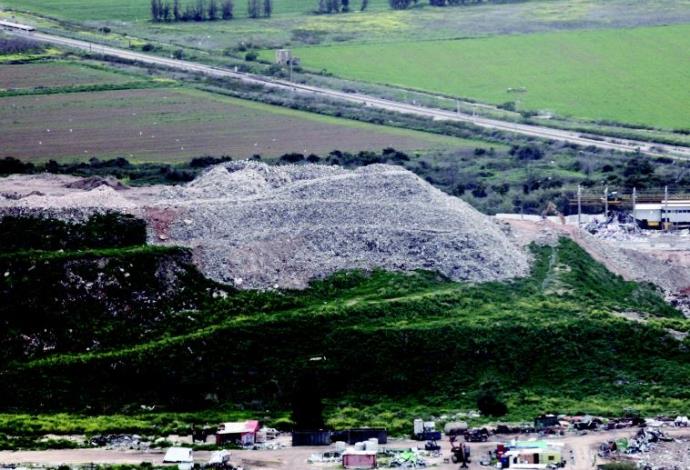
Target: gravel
{"points": [[259, 226]]}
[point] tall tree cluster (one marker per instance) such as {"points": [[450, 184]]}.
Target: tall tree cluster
{"points": [[193, 10], [337, 6], [399, 4], [259, 8]]}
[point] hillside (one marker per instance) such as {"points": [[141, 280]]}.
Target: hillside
{"points": [[551, 341]]}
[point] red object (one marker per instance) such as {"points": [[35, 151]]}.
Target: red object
{"points": [[359, 460], [500, 450]]}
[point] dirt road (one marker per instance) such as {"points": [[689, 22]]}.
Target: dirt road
{"points": [[578, 450], [603, 142]]}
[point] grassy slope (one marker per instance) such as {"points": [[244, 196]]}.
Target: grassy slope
{"points": [[637, 75], [573, 355]]}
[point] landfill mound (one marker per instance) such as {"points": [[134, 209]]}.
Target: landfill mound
{"points": [[255, 225], [93, 182]]}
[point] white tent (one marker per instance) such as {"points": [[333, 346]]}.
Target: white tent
{"points": [[178, 455]]}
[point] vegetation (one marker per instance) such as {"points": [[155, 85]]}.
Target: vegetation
{"points": [[110, 230], [536, 72], [197, 11], [521, 179], [558, 324]]}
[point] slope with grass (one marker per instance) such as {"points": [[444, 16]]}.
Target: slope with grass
{"points": [[634, 76], [550, 341]]}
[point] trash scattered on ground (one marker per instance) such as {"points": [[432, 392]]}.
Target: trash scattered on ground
{"points": [[120, 441]]}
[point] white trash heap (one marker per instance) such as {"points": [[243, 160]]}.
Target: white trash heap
{"points": [[255, 225]]}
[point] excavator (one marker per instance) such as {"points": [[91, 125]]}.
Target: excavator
{"points": [[552, 209]]}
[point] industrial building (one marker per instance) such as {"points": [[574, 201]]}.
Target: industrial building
{"points": [[664, 214]]}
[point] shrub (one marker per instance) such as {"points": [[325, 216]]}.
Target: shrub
{"points": [[251, 56]]}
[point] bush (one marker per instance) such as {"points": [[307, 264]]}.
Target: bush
{"points": [[148, 47], [251, 56], [14, 45], [489, 403]]}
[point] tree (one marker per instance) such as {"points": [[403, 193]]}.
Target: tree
{"points": [[156, 9], [166, 12], [253, 8], [177, 14], [199, 11], [345, 5], [307, 404], [226, 9], [488, 401], [399, 4], [268, 8], [212, 10], [364, 5]]}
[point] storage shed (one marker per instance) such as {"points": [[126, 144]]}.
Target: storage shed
{"points": [[243, 432]]}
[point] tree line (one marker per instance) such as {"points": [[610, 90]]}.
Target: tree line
{"points": [[343, 6], [403, 4], [206, 10]]}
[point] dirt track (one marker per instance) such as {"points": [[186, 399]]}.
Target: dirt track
{"points": [[582, 457]]}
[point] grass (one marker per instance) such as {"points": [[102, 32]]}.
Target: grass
{"points": [[575, 354], [635, 75]]}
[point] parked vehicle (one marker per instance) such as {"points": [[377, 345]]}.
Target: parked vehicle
{"points": [[477, 435]]}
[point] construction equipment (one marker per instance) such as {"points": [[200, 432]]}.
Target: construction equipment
{"points": [[552, 209], [460, 453]]}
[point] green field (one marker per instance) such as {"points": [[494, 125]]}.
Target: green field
{"points": [[137, 10], [635, 75]]}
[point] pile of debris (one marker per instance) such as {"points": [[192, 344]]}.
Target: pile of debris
{"points": [[255, 225], [258, 226], [120, 442], [612, 229]]}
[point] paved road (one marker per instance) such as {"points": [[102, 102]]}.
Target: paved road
{"points": [[608, 143]]}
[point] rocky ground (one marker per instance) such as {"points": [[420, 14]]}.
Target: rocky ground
{"points": [[257, 226]]}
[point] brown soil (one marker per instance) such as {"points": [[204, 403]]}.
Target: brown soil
{"points": [[172, 125]]}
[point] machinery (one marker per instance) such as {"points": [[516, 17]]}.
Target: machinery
{"points": [[552, 209], [459, 452]]}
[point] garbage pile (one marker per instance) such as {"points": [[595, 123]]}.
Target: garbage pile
{"points": [[644, 440], [613, 229], [254, 225], [120, 442]]}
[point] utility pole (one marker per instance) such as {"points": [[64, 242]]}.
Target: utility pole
{"points": [[290, 64], [606, 202], [668, 220], [634, 203], [579, 206]]}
